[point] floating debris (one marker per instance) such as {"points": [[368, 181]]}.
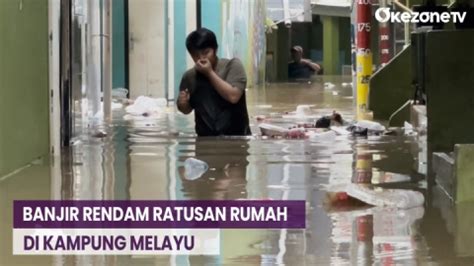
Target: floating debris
{"points": [[194, 168]]}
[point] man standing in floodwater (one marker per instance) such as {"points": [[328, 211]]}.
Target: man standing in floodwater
{"points": [[301, 68], [214, 88]]}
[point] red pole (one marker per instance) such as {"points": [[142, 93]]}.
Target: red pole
{"points": [[364, 55], [363, 24]]}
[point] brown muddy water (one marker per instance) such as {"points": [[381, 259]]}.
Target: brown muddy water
{"points": [[143, 159]]}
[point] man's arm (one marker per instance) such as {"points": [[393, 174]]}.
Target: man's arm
{"points": [[183, 98], [183, 102], [225, 90], [230, 91], [315, 67]]}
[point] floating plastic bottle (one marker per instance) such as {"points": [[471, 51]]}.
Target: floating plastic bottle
{"points": [[194, 168]]}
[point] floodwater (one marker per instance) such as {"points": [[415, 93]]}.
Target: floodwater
{"points": [[143, 159]]}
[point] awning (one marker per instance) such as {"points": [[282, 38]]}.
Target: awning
{"points": [[338, 8], [299, 10]]}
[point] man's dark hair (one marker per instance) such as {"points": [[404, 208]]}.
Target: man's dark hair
{"points": [[200, 39]]}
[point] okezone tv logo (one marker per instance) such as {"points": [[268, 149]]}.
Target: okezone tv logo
{"points": [[384, 14]]}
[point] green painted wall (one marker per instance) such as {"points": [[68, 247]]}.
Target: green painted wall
{"points": [[33, 183], [317, 34], [24, 118], [464, 170], [283, 47], [301, 35], [449, 88], [331, 45], [390, 88], [344, 42], [272, 55], [118, 44]]}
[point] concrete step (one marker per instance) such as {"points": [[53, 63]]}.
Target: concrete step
{"points": [[464, 172], [443, 167], [418, 118], [455, 172]]}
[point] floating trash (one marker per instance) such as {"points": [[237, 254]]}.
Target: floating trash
{"points": [[393, 198], [194, 168], [322, 136], [119, 93], [370, 125], [297, 133], [341, 130], [346, 84], [272, 130], [303, 110], [146, 106], [264, 106], [329, 85]]}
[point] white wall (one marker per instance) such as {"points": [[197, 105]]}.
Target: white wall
{"points": [[147, 44]]}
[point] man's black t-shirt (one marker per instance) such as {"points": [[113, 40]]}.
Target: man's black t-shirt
{"points": [[215, 116], [299, 71]]}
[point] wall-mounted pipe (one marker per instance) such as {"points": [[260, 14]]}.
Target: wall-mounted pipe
{"points": [[54, 11], [286, 13], [94, 82], [99, 60], [107, 58]]}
